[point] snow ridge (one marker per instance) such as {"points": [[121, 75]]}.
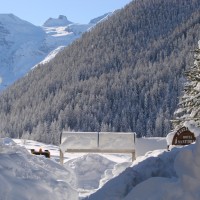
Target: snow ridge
{"points": [[25, 176]]}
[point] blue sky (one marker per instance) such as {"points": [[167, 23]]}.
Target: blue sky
{"points": [[80, 11]]}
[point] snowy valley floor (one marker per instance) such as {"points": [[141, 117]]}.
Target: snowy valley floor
{"points": [[90, 171], [157, 175]]}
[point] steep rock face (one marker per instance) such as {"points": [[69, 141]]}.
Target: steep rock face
{"points": [[60, 21]]}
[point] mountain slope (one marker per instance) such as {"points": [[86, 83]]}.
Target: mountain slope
{"points": [[61, 21], [19, 39], [24, 45], [123, 75], [25, 176]]}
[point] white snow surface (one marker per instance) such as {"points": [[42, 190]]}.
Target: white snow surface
{"points": [[157, 175], [144, 145], [25, 176], [183, 187], [88, 172], [89, 169]]}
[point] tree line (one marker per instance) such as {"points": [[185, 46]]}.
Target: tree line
{"points": [[126, 74]]}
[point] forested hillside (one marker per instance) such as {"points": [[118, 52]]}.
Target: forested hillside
{"points": [[123, 75]]}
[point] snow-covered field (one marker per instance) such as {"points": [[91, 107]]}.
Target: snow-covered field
{"points": [[157, 175], [90, 170]]}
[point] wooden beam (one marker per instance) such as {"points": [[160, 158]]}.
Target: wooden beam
{"points": [[61, 157], [100, 151]]}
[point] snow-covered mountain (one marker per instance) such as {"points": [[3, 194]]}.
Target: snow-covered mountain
{"points": [[81, 175], [24, 45], [61, 21], [98, 19]]}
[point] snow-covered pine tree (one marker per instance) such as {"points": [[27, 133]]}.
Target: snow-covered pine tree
{"points": [[189, 105]]}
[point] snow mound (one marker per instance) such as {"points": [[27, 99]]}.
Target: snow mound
{"points": [[159, 175], [79, 28], [111, 173], [184, 187], [158, 163], [25, 176], [82, 163], [6, 141], [89, 169]]}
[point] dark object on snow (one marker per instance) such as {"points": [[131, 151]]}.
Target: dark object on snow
{"points": [[46, 153], [183, 137]]}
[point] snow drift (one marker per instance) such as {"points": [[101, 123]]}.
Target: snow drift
{"points": [[159, 175], [25, 176], [156, 163], [184, 187]]}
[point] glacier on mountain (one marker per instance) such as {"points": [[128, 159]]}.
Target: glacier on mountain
{"points": [[24, 45]]}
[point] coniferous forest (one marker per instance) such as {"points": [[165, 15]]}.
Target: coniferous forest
{"points": [[126, 74], [189, 104]]}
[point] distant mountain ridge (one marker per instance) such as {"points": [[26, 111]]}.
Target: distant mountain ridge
{"points": [[98, 19], [60, 21], [24, 45]]}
